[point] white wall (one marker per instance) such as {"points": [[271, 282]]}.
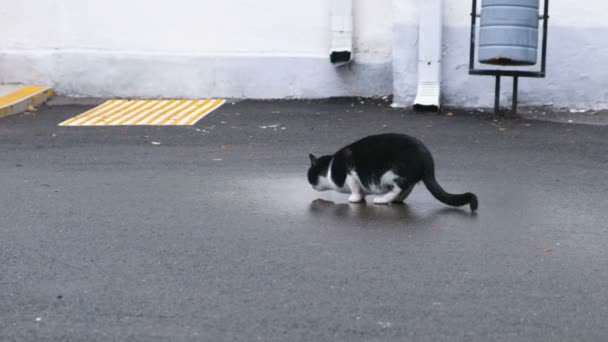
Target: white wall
{"points": [[268, 27], [244, 48], [277, 49]]}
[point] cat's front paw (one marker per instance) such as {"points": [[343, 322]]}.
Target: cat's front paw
{"points": [[355, 198], [381, 200]]}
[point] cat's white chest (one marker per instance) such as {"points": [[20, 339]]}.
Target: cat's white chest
{"points": [[345, 189]]}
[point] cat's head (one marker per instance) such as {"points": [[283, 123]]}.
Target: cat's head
{"points": [[318, 173]]}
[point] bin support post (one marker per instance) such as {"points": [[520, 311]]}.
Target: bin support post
{"points": [[497, 95], [514, 109]]}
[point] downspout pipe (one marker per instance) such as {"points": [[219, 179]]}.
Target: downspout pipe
{"points": [[342, 32], [429, 56]]}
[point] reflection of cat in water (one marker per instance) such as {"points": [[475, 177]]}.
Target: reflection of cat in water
{"points": [[380, 213], [361, 212], [389, 165], [364, 212]]}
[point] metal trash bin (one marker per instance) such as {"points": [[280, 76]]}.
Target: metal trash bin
{"points": [[508, 33]]}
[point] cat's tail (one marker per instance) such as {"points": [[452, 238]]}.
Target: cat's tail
{"points": [[455, 200]]}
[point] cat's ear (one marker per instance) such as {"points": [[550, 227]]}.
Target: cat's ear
{"points": [[313, 160]]}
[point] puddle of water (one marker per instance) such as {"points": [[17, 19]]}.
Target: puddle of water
{"points": [[291, 195]]}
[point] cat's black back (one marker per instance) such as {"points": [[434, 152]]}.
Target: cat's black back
{"points": [[372, 156]]}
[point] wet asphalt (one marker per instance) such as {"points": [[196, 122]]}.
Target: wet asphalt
{"points": [[215, 235]]}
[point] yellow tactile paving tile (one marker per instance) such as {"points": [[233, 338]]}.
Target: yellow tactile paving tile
{"points": [[146, 112]]}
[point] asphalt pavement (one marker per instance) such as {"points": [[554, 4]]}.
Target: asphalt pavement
{"points": [[212, 233]]}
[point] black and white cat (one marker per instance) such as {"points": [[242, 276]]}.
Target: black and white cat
{"points": [[388, 165]]}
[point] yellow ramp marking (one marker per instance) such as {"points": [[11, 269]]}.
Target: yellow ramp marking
{"points": [[171, 112], [20, 94]]}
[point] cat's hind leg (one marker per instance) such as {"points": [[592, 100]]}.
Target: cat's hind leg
{"points": [[388, 197], [400, 189], [404, 193]]}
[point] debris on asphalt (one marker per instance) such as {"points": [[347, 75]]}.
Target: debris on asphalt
{"points": [[155, 143], [385, 324], [577, 110], [547, 250], [450, 114], [273, 126]]}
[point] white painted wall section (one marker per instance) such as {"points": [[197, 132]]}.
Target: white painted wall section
{"points": [[260, 49], [279, 49]]}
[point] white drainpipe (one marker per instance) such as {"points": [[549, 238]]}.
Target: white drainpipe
{"points": [[342, 32], [429, 55]]}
